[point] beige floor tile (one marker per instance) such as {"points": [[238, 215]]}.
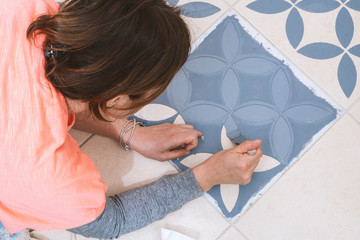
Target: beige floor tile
{"points": [[79, 136], [232, 234], [197, 219], [79, 237], [318, 28], [123, 170], [318, 197], [53, 235], [355, 111]]}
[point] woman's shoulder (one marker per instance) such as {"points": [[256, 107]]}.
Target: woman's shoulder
{"points": [[30, 4]]}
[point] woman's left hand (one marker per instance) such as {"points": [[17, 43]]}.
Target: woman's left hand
{"points": [[165, 141]]}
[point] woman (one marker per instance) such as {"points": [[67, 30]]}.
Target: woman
{"points": [[91, 64]]}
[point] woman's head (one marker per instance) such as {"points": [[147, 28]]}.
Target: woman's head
{"points": [[107, 48]]}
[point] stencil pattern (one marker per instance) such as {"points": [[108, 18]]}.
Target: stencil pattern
{"points": [[347, 74], [230, 80], [195, 9]]}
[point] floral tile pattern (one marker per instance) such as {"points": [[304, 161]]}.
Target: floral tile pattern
{"points": [[344, 26], [231, 81], [195, 9]]}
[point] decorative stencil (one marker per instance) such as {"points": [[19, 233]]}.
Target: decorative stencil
{"points": [[235, 81], [195, 9], [344, 26]]}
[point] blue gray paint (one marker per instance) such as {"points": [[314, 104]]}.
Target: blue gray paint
{"points": [[231, 80], [195, 9]]}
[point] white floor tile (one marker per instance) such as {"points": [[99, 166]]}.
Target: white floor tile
{"points": [[123, 170], [318, 197]]}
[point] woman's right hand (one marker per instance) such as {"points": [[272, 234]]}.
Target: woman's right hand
{"points": [[233, 166]]}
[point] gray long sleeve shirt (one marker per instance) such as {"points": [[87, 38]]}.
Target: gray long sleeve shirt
{"points": [[139, 207]]}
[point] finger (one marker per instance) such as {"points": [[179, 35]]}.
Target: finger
{"points": [[174, 154], [188, 138], [186, 126], [193, 144], [247, 146], [256, 159], [179, 147], [192, 139]]}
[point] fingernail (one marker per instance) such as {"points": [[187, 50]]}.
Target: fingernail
{"points": [[251, 152]]}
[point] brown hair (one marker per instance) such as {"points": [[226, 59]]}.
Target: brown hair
{"points": [[106, 48]]}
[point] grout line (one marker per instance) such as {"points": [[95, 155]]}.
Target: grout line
{"points": [[354, 118], [86, 140], [357, 101], [243, 235], [231, 5], [222, 234], [73, 236]]}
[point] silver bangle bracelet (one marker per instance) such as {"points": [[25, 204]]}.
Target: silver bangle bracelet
{"points": [[126, 146]]}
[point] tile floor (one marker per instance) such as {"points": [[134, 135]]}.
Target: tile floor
{"points": [[317, 198]]}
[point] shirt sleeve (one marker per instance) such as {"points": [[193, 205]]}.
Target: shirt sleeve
{"points": [[135, 209]]}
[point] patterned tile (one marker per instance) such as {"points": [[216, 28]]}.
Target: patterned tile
{"points": [[322, 31], [235, 81], [318, 197], [200, 15]]}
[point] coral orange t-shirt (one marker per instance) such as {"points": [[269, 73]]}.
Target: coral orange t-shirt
{"points": [[46, 182]]}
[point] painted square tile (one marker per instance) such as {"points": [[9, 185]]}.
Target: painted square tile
{"points": [[236, 84], [316, 32], [200, 15]]}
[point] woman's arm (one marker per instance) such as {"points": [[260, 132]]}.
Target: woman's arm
{"points": [[161, 142], [139, 207]]}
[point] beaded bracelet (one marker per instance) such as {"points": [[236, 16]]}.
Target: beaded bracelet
{"points": [[124, 130]]}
